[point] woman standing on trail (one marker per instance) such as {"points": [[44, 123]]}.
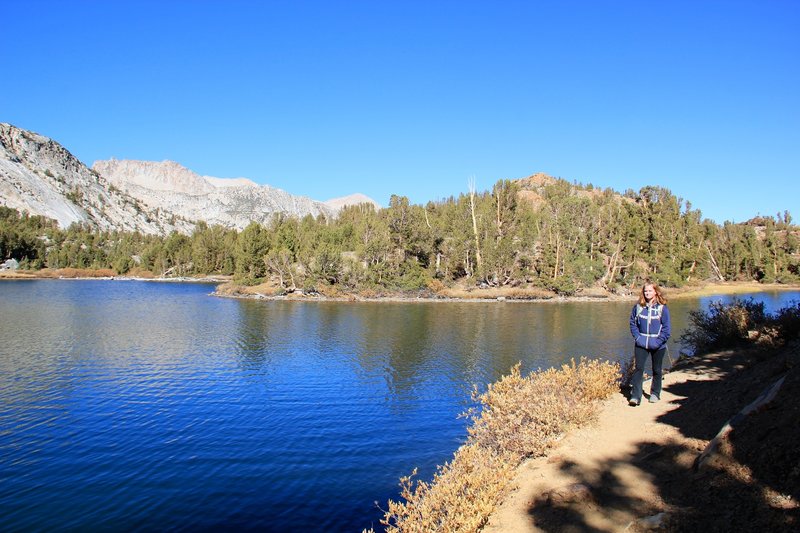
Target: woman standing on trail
{"points": [[650, 327]]}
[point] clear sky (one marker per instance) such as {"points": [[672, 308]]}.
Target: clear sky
{"points": [[414, 98]]}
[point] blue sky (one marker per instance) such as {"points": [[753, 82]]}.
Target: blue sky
{"points": [[415, 98]]}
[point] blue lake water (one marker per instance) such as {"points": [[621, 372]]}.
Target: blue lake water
{"points": [[129, 405]]}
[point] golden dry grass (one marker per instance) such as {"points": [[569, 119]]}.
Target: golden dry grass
{"points": [[524, 415], [16, 274], [732, 288], [520, 416], [511, 293], [76, 273], [329, 291], [139, 272], [232, 288]]}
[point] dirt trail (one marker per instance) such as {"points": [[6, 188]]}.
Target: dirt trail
{"points": [[601, 455], [632, 468]]}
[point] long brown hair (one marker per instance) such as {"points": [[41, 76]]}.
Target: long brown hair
{"points": [[658, 298]]}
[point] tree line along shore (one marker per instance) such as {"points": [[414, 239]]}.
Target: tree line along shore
{"points": [[523, 239], [227, 288]]}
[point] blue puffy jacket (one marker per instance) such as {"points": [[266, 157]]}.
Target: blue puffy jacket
{"points": [[650, 326]]}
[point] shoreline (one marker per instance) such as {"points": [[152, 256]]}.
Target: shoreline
{"points": [[495, 295], [112, 278], [592, 294]]}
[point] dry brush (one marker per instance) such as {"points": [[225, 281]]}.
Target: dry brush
{"points": [[517, 417]]}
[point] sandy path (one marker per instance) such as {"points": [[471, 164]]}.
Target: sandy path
{"points": [[593, 474]]}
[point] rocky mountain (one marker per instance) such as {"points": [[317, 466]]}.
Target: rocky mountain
{"points": [[40, 176], [233, 203]]}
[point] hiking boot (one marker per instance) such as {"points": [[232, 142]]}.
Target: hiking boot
{"points": [[633, 402], [653, 398]]}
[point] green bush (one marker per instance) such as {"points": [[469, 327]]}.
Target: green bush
{"points": [[723, 325], [787, 321], [563, 286], [738, 323], [412, 277]]}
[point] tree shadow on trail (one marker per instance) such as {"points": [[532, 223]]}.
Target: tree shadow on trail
{"points": [[594, 502], [752, 483]]}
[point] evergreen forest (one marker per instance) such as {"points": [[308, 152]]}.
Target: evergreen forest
{"points": [[537, 232]]}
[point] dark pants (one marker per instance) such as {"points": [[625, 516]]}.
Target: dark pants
{"points": [[640, 356]]}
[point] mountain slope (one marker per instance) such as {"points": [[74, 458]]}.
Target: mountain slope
{"points": [[40, 176]]}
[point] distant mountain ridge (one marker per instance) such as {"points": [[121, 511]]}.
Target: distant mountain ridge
{"points": [[235, 203], [41, 177]]}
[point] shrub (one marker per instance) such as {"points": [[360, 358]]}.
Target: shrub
{"points": [[328, 290], [787, 321], [563, 286], [461, 496], [436, 286], [122, 265], [525, 415], [247, 281], [412, 277], [518, 417], [723, 325], [139, 272], [367, 294], [738, 323]]}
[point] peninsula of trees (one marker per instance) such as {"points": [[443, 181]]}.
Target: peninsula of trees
{"points": [[538, 232]]}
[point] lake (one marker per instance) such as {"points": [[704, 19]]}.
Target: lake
{"points": [[128, 405]]}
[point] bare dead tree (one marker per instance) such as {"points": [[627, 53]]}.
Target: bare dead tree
{"points": [[478, 261]]}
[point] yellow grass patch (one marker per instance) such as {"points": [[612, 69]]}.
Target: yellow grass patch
{"points": [[234, 289], [139, 272], [76, 273], [16, 274], [492, 293], [732, 288]]}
